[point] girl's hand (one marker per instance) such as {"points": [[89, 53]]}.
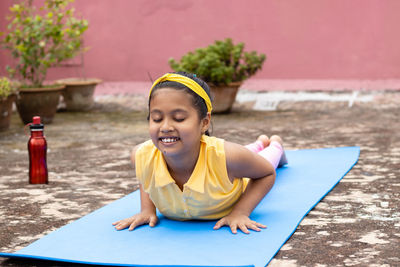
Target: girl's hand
{"points": [[239, 220], [136, 220]]}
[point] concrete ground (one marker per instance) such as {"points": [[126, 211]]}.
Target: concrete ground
{"points": [[356, 224]]}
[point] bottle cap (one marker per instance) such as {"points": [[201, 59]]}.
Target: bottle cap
{"points": [[36, 120], [36, 124]]}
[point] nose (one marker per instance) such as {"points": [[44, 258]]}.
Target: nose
{"points": [[166, 126]]}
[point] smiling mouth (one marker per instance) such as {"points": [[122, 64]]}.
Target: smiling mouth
{"points": [[169, 140]]}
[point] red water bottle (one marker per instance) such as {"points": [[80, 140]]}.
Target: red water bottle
{"points": [[37, 147]]}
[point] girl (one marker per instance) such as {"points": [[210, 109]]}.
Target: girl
{"points": [[186, 174]]}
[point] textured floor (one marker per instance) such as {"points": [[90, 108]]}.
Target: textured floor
{"points": [[356, 224]]}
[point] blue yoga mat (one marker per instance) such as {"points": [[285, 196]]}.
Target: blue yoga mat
{"points": [[299, 186]]}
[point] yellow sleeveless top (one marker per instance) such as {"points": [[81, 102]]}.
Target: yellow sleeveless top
{"points": [[207, 195]]}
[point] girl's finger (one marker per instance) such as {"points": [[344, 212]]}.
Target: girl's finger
{"points": [[219, 224], [244, 229], [261, 225], [133, 225], [258, 224], [253, 227], [153, 221], [118, 227], [234, 229]]}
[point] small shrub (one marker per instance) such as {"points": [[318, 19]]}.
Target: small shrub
{"points": [[220, 63], [6, 88]]}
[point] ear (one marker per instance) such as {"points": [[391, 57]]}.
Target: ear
{"points": [[206, 121]]}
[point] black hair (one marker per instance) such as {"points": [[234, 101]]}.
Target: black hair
{"points": [[198, 101]]}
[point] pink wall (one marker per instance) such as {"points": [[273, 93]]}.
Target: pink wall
{"points": [[308, 39]]}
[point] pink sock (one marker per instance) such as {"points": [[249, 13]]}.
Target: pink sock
{"points": [[272, 153], [256, 147]]}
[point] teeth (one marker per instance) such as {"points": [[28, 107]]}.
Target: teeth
{"points": [[169, 139]]}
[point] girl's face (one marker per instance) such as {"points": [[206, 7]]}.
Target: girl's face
{"points": [[174, 124]]}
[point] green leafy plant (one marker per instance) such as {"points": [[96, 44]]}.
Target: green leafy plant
{"points": [[220, 63], [40, 38], [6, 88]]}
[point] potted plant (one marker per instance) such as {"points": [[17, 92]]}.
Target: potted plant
{"points": [[224, 66], [40, 38], [7, 97], [78, 93]]}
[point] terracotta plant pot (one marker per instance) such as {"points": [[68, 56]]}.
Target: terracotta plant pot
{"points": [[41, 102], [224, 97], [78, 93], [5, 111]]}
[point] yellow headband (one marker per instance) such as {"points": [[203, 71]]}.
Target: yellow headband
{"points": [[191, 84]]}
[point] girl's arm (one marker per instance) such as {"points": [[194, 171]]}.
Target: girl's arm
{"points": [[243, 163], [147, 207]]}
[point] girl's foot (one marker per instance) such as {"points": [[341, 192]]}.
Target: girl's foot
{"points": [[264, 140], [261, 143], [283, 160]]}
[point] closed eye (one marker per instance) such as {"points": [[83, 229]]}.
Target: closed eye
{"points": [[179, 115], [156, 116]]}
